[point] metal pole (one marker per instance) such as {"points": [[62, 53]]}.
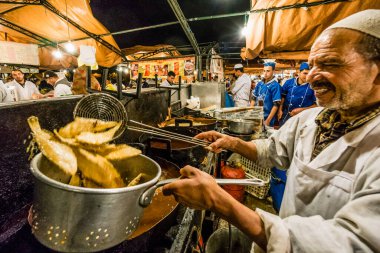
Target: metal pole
{"points": [[97, 38], [185, 25], [156, 80], [88, 77], [179, 87], [104, 78], [167, 24], [199, 67], [139, 84], [119, 84]]}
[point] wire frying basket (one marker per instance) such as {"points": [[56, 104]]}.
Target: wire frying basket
{"points": [[104, 107]]}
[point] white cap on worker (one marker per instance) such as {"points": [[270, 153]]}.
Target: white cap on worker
{"points": [[238, 66], [367, 21]]}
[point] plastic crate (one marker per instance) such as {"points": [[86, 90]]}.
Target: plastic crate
{"points": [[253, 169], [258, 191]]}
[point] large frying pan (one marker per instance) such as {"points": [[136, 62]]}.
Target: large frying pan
{"points": [[161, 206]]}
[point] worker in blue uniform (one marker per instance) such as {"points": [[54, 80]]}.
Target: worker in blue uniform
{"points": [[267, 93], [297, 95]]}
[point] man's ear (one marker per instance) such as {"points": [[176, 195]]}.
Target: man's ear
{"points": [[377, 79]]}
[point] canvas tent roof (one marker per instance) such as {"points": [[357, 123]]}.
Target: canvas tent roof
{"points": [[140, 52], [44, 22], [286, 29]]}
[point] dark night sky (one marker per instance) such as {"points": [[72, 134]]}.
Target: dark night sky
{"points": [[118, 15]]}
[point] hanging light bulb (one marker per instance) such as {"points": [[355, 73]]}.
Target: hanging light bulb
{"points": [[70, 47], [244, 31], [57, 54]]}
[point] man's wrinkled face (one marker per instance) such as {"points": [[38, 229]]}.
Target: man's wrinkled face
{"points": [[268, 73], [341, 77], [303, 74], [18, 76]]}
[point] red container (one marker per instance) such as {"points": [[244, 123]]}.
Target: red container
{"points": [[234, 172]]}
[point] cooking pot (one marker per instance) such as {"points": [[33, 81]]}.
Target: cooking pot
{"points": [[76, 219], [244, 137], [181, 153], [241, 126], [203, 124]]}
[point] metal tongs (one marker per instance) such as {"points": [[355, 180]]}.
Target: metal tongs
{"points": [[167, 134], [146, 197]]}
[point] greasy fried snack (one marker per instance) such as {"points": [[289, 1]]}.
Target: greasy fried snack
{"points": [[57, 152], [121, 152], [100, 138], [98, 169], [80, 125], [136, 180], [75, 180], [68, 141], [81, 150]]}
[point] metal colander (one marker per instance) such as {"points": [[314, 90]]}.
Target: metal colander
{"points": [[104, 107]]}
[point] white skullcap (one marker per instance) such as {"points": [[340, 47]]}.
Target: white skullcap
{"points": [[238, 66], [367, 21]]}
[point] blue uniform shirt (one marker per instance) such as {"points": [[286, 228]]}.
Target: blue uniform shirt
{"points": [[269, 92], [296, 96]]}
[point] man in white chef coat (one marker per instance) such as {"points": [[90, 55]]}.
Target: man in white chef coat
{"points": [[332, 196], [62, 87], [24, 90], [242, 87]]}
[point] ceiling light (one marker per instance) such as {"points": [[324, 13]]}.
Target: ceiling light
{"points": [[57, 54], [70, 47], [244, 31]]}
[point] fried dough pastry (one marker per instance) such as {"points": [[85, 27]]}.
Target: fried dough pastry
{"points": [[121, 152], [97, 138], [136, 180], [98, 169], [57, 152], [80, 125]]}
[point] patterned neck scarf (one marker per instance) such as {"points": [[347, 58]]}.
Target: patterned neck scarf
{"points": [[331, 127]]}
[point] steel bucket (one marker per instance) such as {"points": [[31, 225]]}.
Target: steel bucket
{"points": [[219, 241], [76, 219]]}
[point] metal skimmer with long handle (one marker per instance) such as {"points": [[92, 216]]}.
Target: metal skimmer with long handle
{"points": [[106, 107]]}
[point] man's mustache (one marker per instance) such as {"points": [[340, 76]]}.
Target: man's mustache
{"points": [[322, 84]]}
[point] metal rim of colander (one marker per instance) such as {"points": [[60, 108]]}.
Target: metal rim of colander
{"points": [[104, 107], [43, 178]]}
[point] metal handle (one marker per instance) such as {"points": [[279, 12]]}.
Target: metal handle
{"points": [[146, 197]]}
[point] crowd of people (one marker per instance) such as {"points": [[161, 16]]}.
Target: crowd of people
{"points": [[281, 99]]}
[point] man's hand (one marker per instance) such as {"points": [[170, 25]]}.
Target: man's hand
{"points": [[219, 141], [279, 114], [196, 189], [37, 96], [267, 122], [295, 111]]}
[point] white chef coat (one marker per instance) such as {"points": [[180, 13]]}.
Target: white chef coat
{"points": [[241, 90], [332, 203], [62, 88], [4, 93], [165, 83], [26, 92]]}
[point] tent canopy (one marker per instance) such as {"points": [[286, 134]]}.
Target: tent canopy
{"points": [[140, 52], [286, 29], [48, 22]]}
